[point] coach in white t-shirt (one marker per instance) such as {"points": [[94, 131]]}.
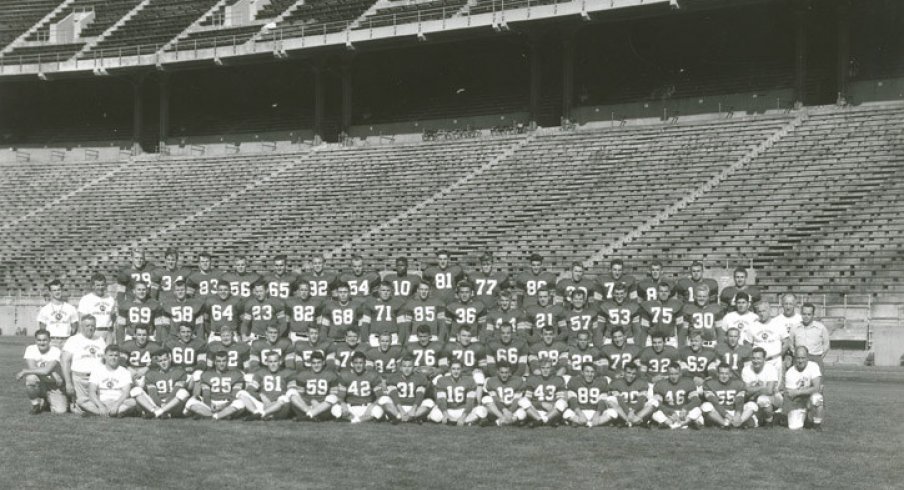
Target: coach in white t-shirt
{"points": [[43, 375], [82, 353], [761, 379], [803, 391], [101, 305], [108, 387], [57, 317]]}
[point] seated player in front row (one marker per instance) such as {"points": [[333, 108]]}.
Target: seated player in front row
{"points": [[164, 393], [406, 399], [588, 399], [504, 392], [677, 401], [456, 398], [359, 390], [314, 391], [266, 394], [631, 397], [726, 404], [216, 391]]}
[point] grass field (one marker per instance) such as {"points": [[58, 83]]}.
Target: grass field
{"points": [[862, 447]]}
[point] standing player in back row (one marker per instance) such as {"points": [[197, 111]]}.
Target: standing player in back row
{"points": [[577, 282], [606, 283], [241, 279], [533, 280], [322, 281], [163, 278], [361, 283], [730, 294], [687, 286], [648, 288], [444, 276], [404, 283], [281, 282], [203, 282], [488, 282]]}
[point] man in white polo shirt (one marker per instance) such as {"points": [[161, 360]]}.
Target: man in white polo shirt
{"points": [[100, 304], [43, 377], [82, 353], [57, 317], [803, 391], [108, 387], [742, 317]]}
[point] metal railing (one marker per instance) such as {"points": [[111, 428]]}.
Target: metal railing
{"points": [[273, 40]]}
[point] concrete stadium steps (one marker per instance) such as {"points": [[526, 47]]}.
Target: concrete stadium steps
{"points": [[137, 201], [328, 198], [787, 197], [565, 193]]}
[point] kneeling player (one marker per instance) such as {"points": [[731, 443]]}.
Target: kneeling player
{"points": [[265, 395], [406, 393], [218, 388], [725, 395], [108, 387], [803, 386], [314, 391], [630, 397], [359, 390], [503, 395], [544, 395], [456, 397], [164, 391], [677, 401], [588, 396]]}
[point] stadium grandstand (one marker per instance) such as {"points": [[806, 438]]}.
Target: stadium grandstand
{"points": [[582, 130]]}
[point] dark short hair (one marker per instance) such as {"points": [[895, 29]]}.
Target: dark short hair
{"points": [[55, 282], [42, 332], [97, 276], [112, 348], [535, 257], [740, 269], [616, 262], [742, 295], [759, 350], [359, 356], [171, 251]]}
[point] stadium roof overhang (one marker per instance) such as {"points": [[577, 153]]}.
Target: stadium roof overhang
{"points": [[519, 16]]}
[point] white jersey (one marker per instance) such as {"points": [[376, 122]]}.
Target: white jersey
{"points": [[768, 336], [102, 308], [786, 322], [795, 380], [86, 353], [733, 319], [753, 378], [110, 382], [58, 318], [41, 359]]}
